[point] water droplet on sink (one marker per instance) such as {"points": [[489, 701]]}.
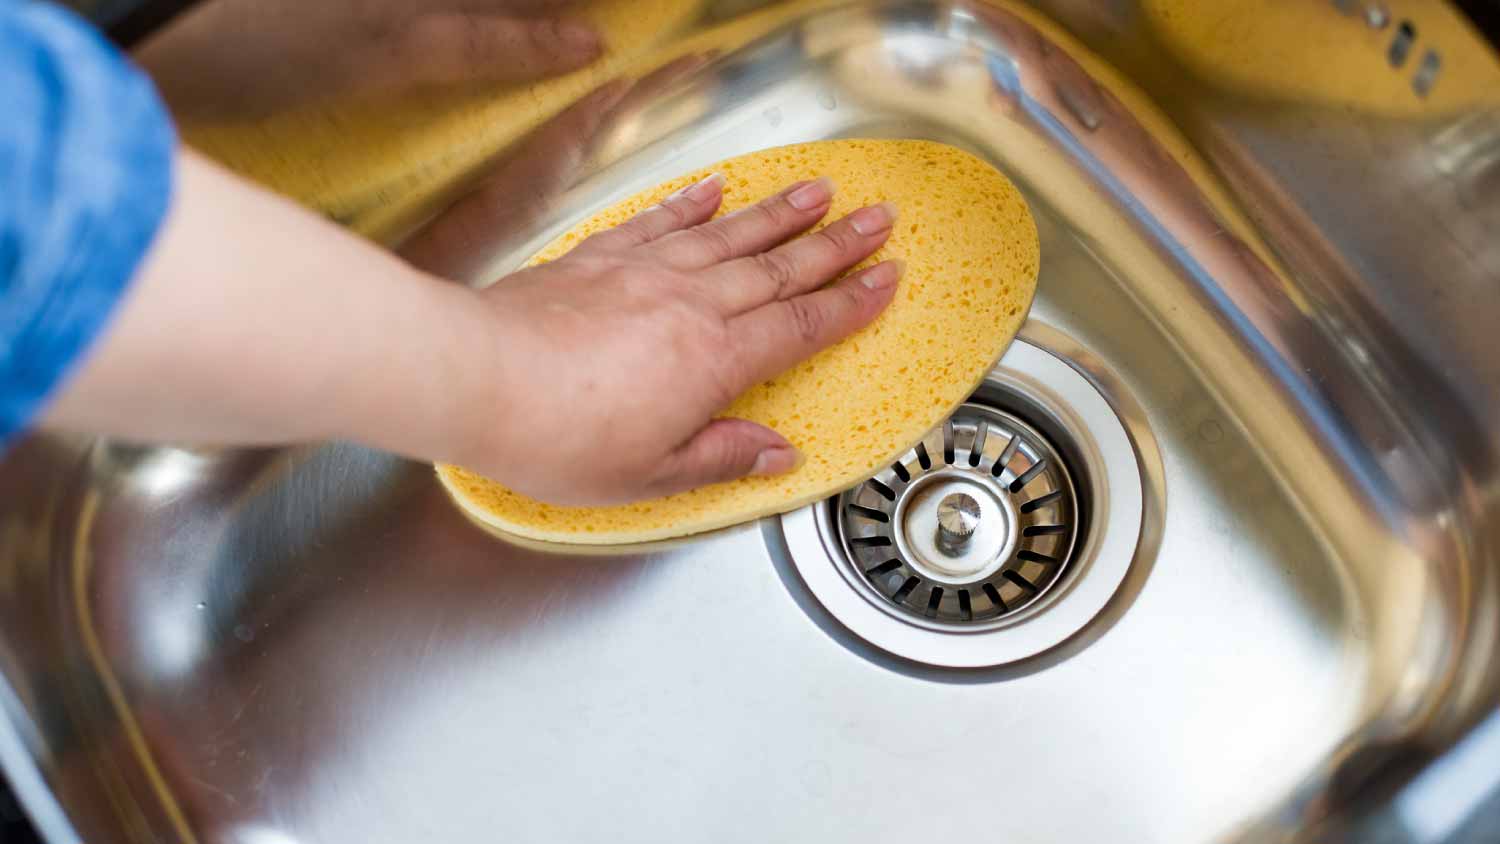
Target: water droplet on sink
{"points": [[817, 776], [773, 116], [244, 632], [827, 100], [1211, 431], [200, 606]]}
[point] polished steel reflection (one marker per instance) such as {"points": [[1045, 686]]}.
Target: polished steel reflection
{"points": [[1294, 294]]}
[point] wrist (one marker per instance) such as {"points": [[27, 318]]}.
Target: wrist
{"points": [[418, 382], [467, 384]]}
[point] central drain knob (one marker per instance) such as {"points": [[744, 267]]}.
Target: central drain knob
{"points": [[957, 517], [954, 527]]}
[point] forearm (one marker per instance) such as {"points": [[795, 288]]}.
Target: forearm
{"points": [[252, 320]]}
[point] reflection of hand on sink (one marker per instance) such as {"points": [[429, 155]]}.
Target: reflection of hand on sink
{"points": [[525, 181], [245, 59]]}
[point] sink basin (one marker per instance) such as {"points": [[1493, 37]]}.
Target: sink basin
{"points": [[312, 644]]}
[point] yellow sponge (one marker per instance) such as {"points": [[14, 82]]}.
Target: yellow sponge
{"points": [[971, 252]]}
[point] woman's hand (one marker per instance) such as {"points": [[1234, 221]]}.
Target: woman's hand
{"points": [[595, 378], [240, 59], [613, 361]]}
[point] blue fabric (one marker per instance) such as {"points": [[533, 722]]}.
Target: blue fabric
{"points": [[85, 177]]}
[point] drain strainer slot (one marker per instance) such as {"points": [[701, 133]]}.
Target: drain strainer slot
{"points": [[979, 535]]}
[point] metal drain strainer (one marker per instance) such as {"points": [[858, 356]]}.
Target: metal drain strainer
{"points": [[974, 523], [1002, 535]]}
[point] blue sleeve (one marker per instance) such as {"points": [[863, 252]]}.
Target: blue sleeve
{"points": [[85, 177]]}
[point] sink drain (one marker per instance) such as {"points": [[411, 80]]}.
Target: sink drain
{"points": [[998, 536], [974, 523]]}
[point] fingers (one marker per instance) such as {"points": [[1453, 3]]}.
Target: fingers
{"points": [[774, 337], [460, 241], [513, 7], [802, 265], [547, 160], [751, 230], [724, 450], [458, 46], [650, 86], [688, 207]]}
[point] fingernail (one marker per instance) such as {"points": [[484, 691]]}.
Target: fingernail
{"points": [[883, 275], [705, 189], [577, 35], [811, 195], [873, 219], [776, 460]]}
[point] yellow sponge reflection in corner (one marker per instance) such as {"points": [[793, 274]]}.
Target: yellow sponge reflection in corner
{"points": [[378, 166], [971, 252], [1314, 52]]}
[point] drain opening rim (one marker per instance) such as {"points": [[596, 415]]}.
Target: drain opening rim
{"points": [[1111, 482]]}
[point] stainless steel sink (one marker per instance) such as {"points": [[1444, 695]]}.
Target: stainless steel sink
{"points": [[1277, 320]]}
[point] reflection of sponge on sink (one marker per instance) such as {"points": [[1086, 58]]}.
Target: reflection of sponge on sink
{"points": [[1323, 53], [971, 250], [379, 165]]}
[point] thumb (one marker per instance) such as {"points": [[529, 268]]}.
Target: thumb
{"points": [[724, 450], [471, 47]]}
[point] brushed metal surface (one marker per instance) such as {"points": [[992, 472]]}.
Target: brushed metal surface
{"points": [[311, 644]]}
